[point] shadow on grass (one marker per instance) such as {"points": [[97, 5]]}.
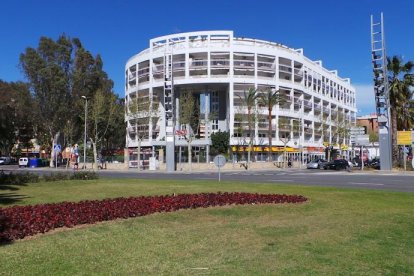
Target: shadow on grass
{"points": [[11, 198]]}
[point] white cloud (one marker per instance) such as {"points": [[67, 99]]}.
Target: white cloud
{"points": [[365, 98]]}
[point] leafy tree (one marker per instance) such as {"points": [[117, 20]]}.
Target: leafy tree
{"points": [[401, 82], [220, 142], [286, 128], [17, 116], [48, 70], [59, 73], [269, 99], [141, 110], [249, 102], [188, 118]]}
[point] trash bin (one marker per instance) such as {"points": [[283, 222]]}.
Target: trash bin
{"points": [[33, 163]]}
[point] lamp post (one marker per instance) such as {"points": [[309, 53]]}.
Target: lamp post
{"points": [[84, 140]]}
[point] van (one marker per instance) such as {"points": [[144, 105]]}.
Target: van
{"points": [[23, 162]]}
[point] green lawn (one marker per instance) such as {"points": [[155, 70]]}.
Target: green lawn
{"points": [[339, 231]]}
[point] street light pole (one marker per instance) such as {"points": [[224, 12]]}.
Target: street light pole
{"points": [[84, 140]]}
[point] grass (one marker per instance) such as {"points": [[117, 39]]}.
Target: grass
{"points": [[339, 231]]}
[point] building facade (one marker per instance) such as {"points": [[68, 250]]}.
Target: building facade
{"points": [[369, 123], [217, 69]]}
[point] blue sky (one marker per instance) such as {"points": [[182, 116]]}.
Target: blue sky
{"points": [[336, 32]]}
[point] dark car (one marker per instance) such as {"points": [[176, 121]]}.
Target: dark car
{"points": [[338, 164]]}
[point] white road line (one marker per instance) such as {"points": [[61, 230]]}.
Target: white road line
{"points": [[365, 183], [281, 180]]}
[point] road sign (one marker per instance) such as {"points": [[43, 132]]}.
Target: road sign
{"points": [[404, 138], [357, 131], [57, 147], [219, 161], [362, 140]]}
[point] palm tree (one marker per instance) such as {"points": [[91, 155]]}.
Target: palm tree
{"points": [[269, 99], [249, 101], [401, 82]]}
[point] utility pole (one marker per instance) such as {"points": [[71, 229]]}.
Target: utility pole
{"points": [[169, 108], [381, 89], [84, 139]]}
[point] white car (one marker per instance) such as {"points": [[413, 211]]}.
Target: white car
{"points": [[23, 162], [316, 164]]}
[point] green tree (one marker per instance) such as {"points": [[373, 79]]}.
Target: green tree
{"points": [[401, 85], [220, 142], [48, 70], [59, 73], [269, 99], [140, 111], [17, 116], [188, 118], [249, 102]]}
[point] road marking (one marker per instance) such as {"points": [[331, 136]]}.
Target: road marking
{"points": [[281, 180], [365, 183]]}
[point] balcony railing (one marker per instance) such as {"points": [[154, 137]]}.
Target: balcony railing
{"points": [[268, 66], [298, 72], [284, 127], [143, 72], [244, 64], [308, 130], [179, 65], [196, 64], [219, 63], [132, 76], [285, 68], [307, 104]]}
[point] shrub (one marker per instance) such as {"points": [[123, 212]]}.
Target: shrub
{"points": [[20, 221], [19, 178], [86, 175], [56, 177]]}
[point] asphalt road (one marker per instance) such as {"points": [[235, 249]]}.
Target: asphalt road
{"points": [[393, 181]]}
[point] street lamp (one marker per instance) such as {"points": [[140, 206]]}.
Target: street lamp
{"points": [[84, 140]]}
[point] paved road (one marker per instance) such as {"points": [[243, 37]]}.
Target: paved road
{"points": [[394, 181]]}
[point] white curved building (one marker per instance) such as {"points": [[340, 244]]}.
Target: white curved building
{"points": [[217, 68]]}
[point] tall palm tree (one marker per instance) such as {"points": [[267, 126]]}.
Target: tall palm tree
{"points": [[401, 82], [269, 98], [249, 101]]}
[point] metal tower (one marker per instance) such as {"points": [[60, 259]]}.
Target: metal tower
{"points": [[381, 89], [169, 110]]}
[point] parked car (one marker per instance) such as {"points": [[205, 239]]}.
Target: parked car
{"points": [[316, 164], [338, 164], [5, 160], [23, 162]]}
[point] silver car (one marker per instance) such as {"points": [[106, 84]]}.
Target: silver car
{"points": [[316, 164]]}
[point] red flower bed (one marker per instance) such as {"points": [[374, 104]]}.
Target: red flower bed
{"points": [[20, 221]]}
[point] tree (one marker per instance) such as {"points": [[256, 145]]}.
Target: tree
{"points": [[285, 128], [17, 116], [48, 70], [188, 118], [401, 82], [249, 102], [269, 99], [220, 142], [59, 73], [103, 107], [140, 110]]}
